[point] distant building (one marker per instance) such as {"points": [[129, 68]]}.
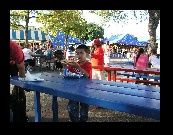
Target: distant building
{"points": [[33, 34]]}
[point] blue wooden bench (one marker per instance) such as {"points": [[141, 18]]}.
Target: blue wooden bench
{"points": [[150, 77], [139, 77], [126, 74], [134, 99]]}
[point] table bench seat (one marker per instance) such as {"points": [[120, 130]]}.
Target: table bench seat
{"points": [[126, 74], [132, 80], [140, 76]]}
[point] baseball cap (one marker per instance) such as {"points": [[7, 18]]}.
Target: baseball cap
{"points": [[97, 42]]}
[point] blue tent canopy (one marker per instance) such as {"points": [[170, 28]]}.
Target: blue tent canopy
{"points": [[104, 40], [60, 40], [114, 39], [143, 43], [89, 43], [128, 40]]}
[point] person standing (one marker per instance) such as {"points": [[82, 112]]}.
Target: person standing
{"points": [[16, 60], [78, 111], [97, 59], [17, 98]]}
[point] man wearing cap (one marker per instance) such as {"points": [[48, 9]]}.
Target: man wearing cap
{"points": [[97, 59]]}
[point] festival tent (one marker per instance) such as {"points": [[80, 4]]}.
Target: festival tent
{"points": [[111, 39], [33, 34], [114, 39], [74, 40], [104, 40], [143, 43], [89, 43], [60, 40], [128, 40]]}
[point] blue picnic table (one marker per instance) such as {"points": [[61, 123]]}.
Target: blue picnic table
{"points": [[134, 99]]}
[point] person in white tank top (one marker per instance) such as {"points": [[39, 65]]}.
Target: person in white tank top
{"points": [[28, 58], [154, 60]]}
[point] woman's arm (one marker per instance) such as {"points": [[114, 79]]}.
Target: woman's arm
{"points": [[32, 53], [21, 68]]}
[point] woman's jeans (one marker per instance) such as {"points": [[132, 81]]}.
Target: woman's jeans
{"points": [[78, 112]]}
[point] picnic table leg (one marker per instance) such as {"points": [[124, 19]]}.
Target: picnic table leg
{"points": [[114, 76], [109, 75], [55, 108], [37, 106]]}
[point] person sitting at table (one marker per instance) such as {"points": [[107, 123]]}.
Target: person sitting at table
{"points": [[58, 56], [141, 61], [40, 50], [49, 53], [28, 56], [155, 62], [82, 66], [49, 56]]}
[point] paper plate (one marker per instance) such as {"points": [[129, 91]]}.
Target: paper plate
{"points": [[35, 80]]}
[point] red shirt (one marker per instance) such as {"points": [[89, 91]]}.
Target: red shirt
{"points": [[86, 66], [16, 54], [98, 57]]}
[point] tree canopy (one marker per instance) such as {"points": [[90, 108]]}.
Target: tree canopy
{"points": [[92, 31], [120, 16], [68, 21]]}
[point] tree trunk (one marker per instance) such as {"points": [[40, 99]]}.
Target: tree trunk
{"points": [[26, 27], [154, 16]]}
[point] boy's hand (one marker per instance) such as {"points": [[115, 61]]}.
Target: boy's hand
{"points": [[73, 63]]}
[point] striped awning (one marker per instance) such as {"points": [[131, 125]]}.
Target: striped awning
{"points": [[32, 35]]}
